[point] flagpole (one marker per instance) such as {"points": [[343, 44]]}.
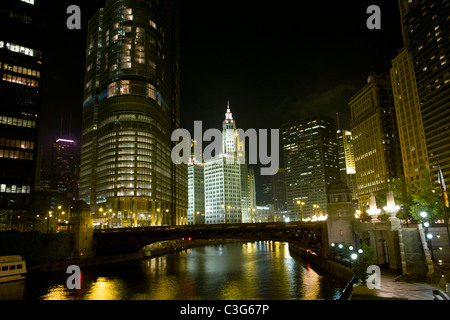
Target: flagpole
{"points": [[441, 179]]}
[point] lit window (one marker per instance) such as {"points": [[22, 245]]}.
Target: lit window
{"points": [[23, 50], [28, 1]]}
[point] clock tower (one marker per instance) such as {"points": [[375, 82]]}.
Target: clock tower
{"points": [[229, 133]]}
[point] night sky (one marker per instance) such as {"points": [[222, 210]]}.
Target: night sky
{"points": [[275, 61]]}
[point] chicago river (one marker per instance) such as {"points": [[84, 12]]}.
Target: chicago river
{"points": [[234, 271]]}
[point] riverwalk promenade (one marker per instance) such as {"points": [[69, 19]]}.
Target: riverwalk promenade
{"points": [[392, 289]]}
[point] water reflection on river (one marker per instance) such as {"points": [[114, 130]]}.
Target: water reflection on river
{"points": [[238, 271]]}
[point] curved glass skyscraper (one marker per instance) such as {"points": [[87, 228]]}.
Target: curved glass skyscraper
{"points": [[130, 110]]}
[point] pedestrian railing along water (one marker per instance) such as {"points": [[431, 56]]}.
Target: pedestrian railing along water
{"points": [[345, 294]]}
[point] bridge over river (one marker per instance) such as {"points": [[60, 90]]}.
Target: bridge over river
{"points": [[308, 235]]}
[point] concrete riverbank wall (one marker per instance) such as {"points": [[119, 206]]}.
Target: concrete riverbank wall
{"points": [[37, 248], [105, 260], [339, 271]]}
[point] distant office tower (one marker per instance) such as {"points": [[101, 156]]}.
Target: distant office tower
{"points": [[279, 190], [21, 29], [341, 155], [130, 110], [267, 197], [311, 163], [275, 191], [346, 153], [222, 192], [409, 116], [375, 137], [65, 168], [196, 189], [248, 192], [427, 37], [224, 199]]}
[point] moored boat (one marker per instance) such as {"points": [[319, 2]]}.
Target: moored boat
{"points": [[12, 268]]}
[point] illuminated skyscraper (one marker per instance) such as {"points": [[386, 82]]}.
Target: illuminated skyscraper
{"points": [[21, 29], [409, 116], [347, 160], [375, 137], [130, 110], [427, 43], [224, 199]]}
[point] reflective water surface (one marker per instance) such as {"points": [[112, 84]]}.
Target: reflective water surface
{"points": [[237, 271]]}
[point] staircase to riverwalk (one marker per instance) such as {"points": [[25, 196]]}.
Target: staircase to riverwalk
{"points": [[418, 251], [440, 249], [413, 254]]}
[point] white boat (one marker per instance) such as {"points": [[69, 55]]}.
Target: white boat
{"points": [[12, 268]]}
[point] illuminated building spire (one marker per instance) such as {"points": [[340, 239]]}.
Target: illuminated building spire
{"points": [[228, 115]]}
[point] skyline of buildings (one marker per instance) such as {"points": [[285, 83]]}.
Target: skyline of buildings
{"points": [[399, 123]]}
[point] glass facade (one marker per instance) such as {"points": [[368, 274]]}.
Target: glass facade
{"points": [[131, 107]]}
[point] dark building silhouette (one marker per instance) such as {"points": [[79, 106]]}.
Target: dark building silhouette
{"points": [[21, 29], [311, 163], [65, 168]]}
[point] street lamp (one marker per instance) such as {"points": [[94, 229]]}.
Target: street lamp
{"points": [[48, 220], [301, 204], [316, 210]]}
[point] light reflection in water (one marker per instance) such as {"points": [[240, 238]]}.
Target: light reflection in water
{"points": [[58, 292], [106, 289], [249, 271]]}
